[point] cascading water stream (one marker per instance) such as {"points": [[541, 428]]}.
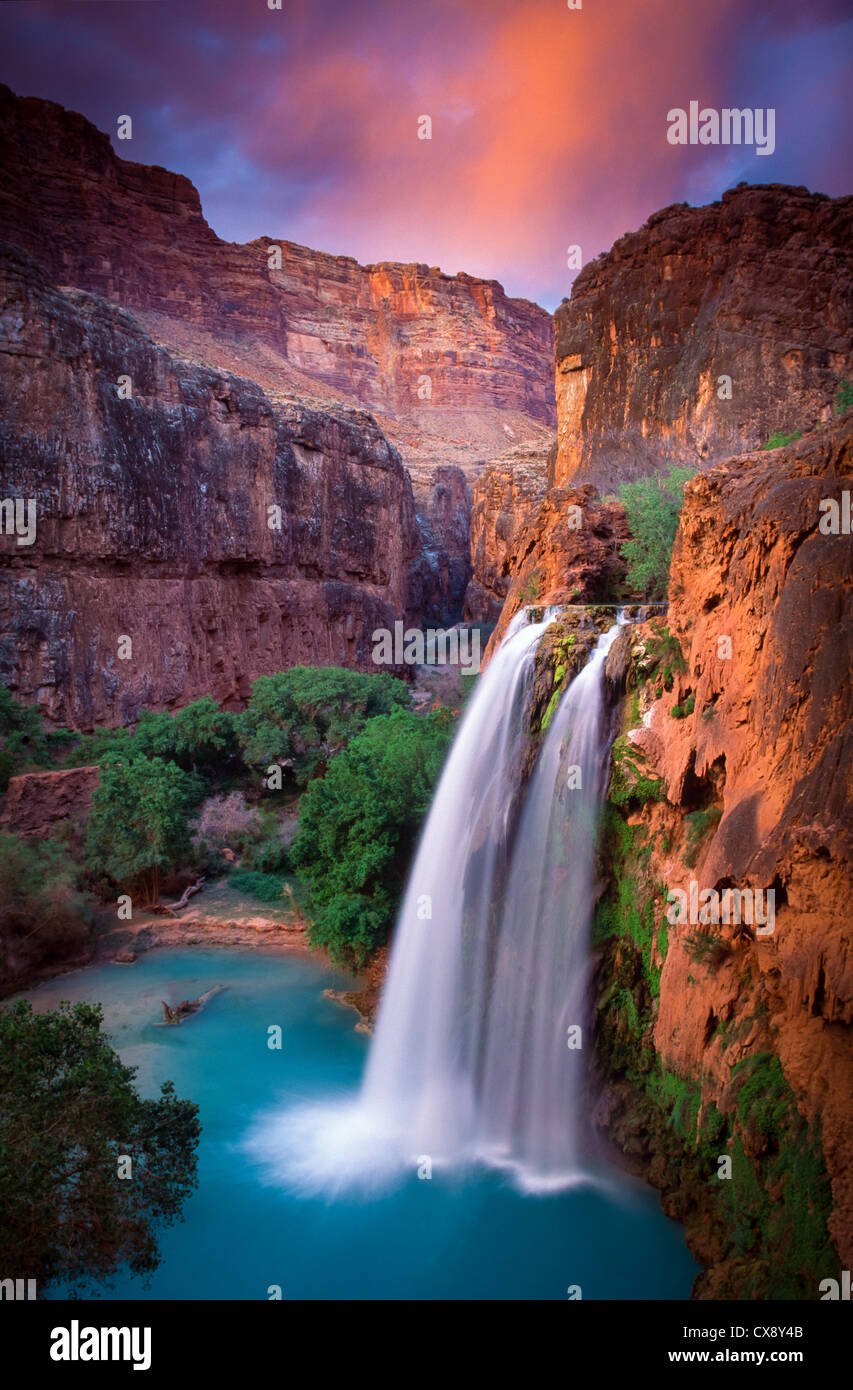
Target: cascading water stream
{"points": [[471, 1053], [489, 967]]}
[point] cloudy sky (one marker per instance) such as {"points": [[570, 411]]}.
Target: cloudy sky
{"points": [[548, 123]]}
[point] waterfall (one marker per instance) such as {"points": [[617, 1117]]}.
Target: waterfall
{"points": [[475, 1054], [471, 1052]]}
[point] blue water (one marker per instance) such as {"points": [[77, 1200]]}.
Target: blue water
{"points": [[452, 1236]]}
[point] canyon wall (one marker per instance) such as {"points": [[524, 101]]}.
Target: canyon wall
{"points": [[454, 368], [454, 372], [757, 288], [153, 519], [733, 770], [505, 496]]}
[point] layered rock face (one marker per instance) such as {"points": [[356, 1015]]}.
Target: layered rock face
{"points": [[454, 371], [505, 496], [456, 367], [156, 519], [735, 773], [569, 551], [757, 288]]}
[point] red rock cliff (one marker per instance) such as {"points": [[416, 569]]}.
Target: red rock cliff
{"points": [[455, 367], [757, 287], [153, 519], [741, 714]]}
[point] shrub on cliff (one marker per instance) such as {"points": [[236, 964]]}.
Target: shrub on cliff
{"points": [[302, 717], [43, 913], [69, 1114], [358, 827], [139, 825], [23, 740], [652, 506]]}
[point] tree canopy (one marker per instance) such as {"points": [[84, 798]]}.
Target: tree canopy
{"points": [[70, 1119], [303, 716], [358, 826], [139, 824]]}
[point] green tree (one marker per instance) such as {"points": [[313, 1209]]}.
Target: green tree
{"points": [[653, 506], [201, 737], [358, 826], [23, 739], [304, 716], [43, 913], [139, 825], [68, 1113]]}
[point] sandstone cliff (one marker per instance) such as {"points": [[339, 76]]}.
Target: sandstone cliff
{"points": [[734, 771], [569, 551], [757, 288], [153, 519], [505, 497], [455, 368]]}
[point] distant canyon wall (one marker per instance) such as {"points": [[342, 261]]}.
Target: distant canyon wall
{"points": [[443, 357], [153, 519]]}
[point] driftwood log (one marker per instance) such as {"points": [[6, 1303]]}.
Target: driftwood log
{"points": [[176, 1013], [170, 909]]}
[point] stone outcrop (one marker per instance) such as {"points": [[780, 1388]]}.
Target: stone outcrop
{"points": [[738, 742], [153, 519], [36, 802], [443, 514], [569, 552], [505, 497], [757, 287]]}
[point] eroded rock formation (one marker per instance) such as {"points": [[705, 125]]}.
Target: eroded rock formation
{"points": [[757, 288], [505, 497], [36, 802], [453, 370], [734, 771], [153, 519], [453, 367], [568, 552]]}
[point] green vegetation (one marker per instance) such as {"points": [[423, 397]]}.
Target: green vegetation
{"points": [[138, 827], [653, 506], [786, 1236], [779, 439], [628, 784], [69, 1114], [200, 738], [267, 888], [529, 591], [43, 910], [302, 717], [699, 825], [23, 740], [358, 826], [664, 659], [707, 948], [843, 397], [682, 711]]}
